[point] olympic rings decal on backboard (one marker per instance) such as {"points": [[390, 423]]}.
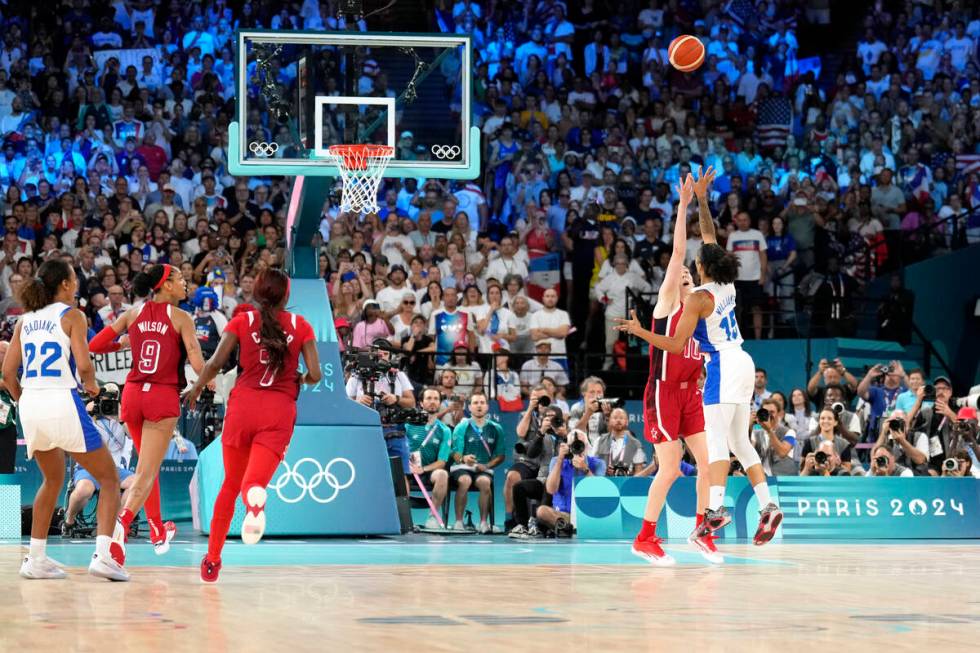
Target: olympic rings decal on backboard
{"points": [[445, 151], [263, 149], [309, 486]]}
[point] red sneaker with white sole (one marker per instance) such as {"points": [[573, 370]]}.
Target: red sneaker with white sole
{"points": [[161, 536], [770, 518], [706, 547], [253, 526], [209, 569], [117, 547], [651, 551]]}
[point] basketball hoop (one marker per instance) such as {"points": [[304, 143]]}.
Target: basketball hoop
{"points": [[361, 168]]}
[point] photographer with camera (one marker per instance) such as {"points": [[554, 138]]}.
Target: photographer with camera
{"points": [[376, 382], [570, 463], [967, 439], [429, 444], [939, 422], [909, 448], [105, 414], [883, 464], [828, 431], [477, 448], [830, 374], [880, 387], [825, 461], [591, 412], [620, 449], [958, 466], [528, 449], [777, 451], [551, 430]]}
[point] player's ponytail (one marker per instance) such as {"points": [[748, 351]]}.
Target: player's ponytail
{"points": [[146, 282], [37, 292], [719, 265], [270, 292]]}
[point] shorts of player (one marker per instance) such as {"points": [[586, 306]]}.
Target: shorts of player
{"points": [[729, 377], [457, 472], [676, 411], [749, 294], [398, 447], [265, 418], [148, 402], [55, 418], [82, 474]]}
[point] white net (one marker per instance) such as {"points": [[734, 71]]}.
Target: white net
{"points": [[361, 168]]}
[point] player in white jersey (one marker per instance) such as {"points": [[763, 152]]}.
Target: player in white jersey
{"points": [[709, 317], [49, 343]]}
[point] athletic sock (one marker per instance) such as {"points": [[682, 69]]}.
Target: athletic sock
{"points": [[38, 549], [102, 546], [126, 518], [762, 494], [648, 530], [716, 497], [699, 520]]}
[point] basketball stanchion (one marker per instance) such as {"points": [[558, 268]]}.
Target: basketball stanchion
{"points": [[361, 168]]}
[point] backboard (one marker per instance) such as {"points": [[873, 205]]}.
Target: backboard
{"points": [[300, 92]]}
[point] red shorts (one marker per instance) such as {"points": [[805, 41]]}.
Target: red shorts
{"points": [[148, 402], [265, 418], [673, 412]]}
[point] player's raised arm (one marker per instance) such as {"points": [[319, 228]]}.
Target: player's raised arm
{"points": [[701, 188], [669, 288]]}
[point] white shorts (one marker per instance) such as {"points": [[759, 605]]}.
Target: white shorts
{"points": [[729, 377], [55, 418]]}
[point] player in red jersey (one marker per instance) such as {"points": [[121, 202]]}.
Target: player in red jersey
{"points": [[162, 338], [672, 403], [261, 409]]}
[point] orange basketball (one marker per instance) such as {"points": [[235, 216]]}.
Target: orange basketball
{"points": [[686, 53]]}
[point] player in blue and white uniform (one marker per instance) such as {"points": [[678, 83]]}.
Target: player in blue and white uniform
{"points": [[709, 317], [48, 354]]}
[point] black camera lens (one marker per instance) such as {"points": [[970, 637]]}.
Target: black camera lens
{"points": [[820, 457], [896, 424], [951, 464], [929, 393], [556, 420], [838, 408], [520, 448], [762, 415], [576, 448], [544, 401], [881, 462]]}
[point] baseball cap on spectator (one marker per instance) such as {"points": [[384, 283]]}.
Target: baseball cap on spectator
{"points": [[397, 268], [372, 302], [542, 343], [629, 218], [341, 323], [966, 412], [169, 188], [407, 134], [943, 379]]}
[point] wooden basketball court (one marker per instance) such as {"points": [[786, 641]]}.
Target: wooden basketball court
{"points": [[442, 594]]}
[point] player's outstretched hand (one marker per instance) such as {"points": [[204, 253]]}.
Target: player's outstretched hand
{"points": [[704, 181], [631, 326], [191, 394], [685, 190]]}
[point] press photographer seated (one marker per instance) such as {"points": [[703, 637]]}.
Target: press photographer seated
{"points": [[620, 449], [825, 461], [430, 444], [774, 441], [105, 413], [570, 463], [909, 448], [477, 448], [544, 429], [376, 382], [828, 431], [591, 412], [883, 464]]}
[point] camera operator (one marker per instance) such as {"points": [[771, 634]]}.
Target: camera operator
{"points": [[525, 466], [477, 448], [620, 449], [909, 448], [880, 387], [823, 462], [552, 431], [778, 449], [967, 438], [883, 464], [591, 413], [391, 388], [959, 466], [429, 444], [938, 421], [570, 463], [105, 414]]}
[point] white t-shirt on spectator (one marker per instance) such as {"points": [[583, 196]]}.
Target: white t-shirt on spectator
{"points": [[960, 51], [869, 53], [393, 254], [545, 319], [390, 298], [499, 268], [470, 199], [532, 371], [505, 322], [747, 245], [613, 289]]}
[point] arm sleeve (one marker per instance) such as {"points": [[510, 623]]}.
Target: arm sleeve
{"points": [[104, 342]]}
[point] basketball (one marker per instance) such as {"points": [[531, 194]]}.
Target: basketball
{"points": [[686, 53]]}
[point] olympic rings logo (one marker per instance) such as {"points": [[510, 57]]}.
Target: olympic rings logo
{"points": [[321, 475], [446, 151], [262, 149]]}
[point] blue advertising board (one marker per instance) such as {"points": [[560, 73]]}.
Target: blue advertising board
{"points": [[814, 508]]}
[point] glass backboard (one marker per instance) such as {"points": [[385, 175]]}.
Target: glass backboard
{"points": [[298, 93]]}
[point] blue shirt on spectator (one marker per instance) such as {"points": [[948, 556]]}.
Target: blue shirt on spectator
{"points": [[562, 499], [780, 247], [882, 399]]}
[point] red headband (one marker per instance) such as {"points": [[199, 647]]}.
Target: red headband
{"points": [[167, 269]]}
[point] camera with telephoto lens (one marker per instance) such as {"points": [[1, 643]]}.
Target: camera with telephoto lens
{"points": [[762, 416], [896, 424], [106, 404], [544, 401], [820, 457], [837, 407], [369, 366], [576, 448], [398, 415], [881, 462], [951, 465], [929, 393]]}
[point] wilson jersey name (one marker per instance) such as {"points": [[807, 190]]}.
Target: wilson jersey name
{"points": [[46, 349]]}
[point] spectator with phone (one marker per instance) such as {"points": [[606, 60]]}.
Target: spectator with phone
{"points": [[880, 387], [831, 374]]}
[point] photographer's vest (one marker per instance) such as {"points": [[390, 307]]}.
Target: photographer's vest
{"points": [[840, 444], [624, 458], [786, 465]]}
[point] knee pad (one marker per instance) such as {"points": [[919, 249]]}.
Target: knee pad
{"points": [[717, 447]]}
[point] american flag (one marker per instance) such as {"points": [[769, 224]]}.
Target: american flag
{"points": [[967, 163], [774, 121]]}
